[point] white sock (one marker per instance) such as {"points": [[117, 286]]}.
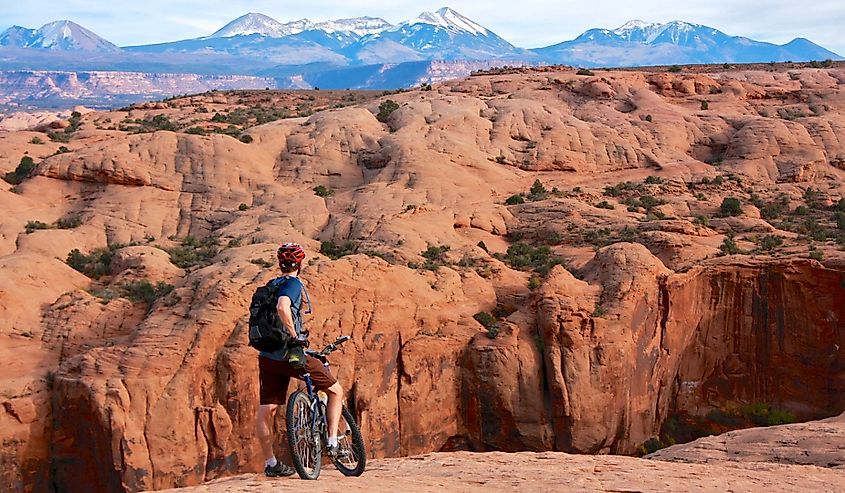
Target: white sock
{"points": [[271, 462], [333, 441]]}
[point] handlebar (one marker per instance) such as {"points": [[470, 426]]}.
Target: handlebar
{"points": [[328, 349]]}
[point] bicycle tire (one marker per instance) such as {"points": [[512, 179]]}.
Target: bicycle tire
{"points": [[357, 447], [306, 456]]}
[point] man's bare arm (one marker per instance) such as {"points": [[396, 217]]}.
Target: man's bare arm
{"points": [[283, 309]]}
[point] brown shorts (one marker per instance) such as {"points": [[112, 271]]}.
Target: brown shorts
{"points": [[273, 378]]}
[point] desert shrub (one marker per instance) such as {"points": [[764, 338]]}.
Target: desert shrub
{"points": [[489, 322], [840, 206], [59, 136], [36, 140], [335, 251], [731, 206], [21, 172], [619, 188], [523, 256], [839, 217], [537, 191], [533, 282], [811, 197], [158, 122], [705, 105], [193, 252], [35, 225], [262, 262], [584, 71], [425, 87], [648, 118], [816, 255], [675, 69], [729, 246], [515, 200], [599, 311], [95, 264], [322, 191], [653, 180], [482, 246], [69, 222], [196, 131], [768, 243], [385, 109], [650, 446], [145, 292], [246, 139], [242, 207], [605, 205]]}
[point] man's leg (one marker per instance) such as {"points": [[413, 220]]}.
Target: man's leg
{"points": [[264, 425], [333, 410]]}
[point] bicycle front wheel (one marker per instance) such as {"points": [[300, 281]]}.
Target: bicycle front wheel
{"points": [[352, 458], [303, 436]]}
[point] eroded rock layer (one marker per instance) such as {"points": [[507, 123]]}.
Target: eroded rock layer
{"points": [[586, 217]]}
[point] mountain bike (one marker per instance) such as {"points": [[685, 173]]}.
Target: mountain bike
{"points": [[307, 428]]}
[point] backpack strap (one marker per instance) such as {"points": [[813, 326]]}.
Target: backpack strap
{"points": [[277, 283]]}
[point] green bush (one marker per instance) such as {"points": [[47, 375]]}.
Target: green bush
{"points": [[675, 69], [145, 292], [69, 222], [335, 251], [705, 105], [768, 243], [653, 180], [515, 200], [729, 246], [36, 140], [35, 225], [605, 205], [731, 206], [385, 109], [21, 172], [322, 191], [193, 252], [242, 207], [839, 217], [522, 256], [489, 322], [95, 264], [584, 71], [537, 191]]}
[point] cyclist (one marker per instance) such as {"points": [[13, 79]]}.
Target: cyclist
{"points": [[276, 368]]}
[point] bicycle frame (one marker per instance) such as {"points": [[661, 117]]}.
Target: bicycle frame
{"points": [[317, 418]]}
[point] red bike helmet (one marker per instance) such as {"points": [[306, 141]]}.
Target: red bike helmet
{"points": [[290, 254]]}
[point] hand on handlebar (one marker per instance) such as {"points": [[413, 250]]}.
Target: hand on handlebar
{"points": [[301, 341]]}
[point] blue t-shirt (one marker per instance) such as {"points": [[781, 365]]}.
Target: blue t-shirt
{"points": [[292, 288]]}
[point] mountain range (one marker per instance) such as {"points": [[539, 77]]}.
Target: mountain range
{"points": [[258, 45]]}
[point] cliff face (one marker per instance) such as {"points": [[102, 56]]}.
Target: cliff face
{"points": [[611, 307]]}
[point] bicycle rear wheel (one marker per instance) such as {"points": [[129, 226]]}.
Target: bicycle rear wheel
{"points": [[303, 436], [352, 457]]}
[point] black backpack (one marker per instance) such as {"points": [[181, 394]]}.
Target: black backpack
{"points": [[265, 328]]}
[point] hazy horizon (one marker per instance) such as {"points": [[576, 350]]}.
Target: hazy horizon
{"points": [[531, 24]]}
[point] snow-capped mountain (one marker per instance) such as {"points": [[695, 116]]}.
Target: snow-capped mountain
{"points": [[359, 26], [444, 34], [263, 25], [57, 36], [677, 42]]}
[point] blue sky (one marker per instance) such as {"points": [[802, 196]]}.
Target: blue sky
{"points": [[526, 23]]}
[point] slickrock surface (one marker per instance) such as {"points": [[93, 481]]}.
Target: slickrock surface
{"points": [[817, 443], [541, 472], [613, 305]]}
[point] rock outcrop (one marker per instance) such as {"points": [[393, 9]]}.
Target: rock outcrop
{"points": [[610, 302]]}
